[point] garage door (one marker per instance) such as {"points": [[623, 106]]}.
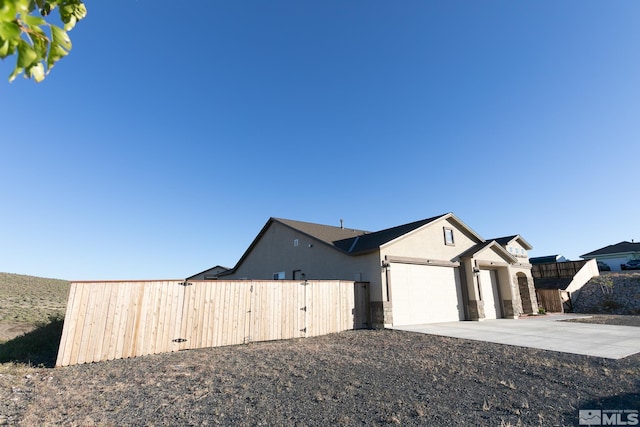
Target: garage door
{"points": [[425, 294], [490, 296]]}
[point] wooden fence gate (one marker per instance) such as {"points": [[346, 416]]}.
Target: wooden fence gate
{"points": [[550, 299], [114, 320]]}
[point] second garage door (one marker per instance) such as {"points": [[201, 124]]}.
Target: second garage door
{"points": [[425, 294], [490, 295]]}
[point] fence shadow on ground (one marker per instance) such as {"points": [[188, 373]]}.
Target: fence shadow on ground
{"points": [[38, 347]]}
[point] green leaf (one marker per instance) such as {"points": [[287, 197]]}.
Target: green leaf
{"points": [[37, 72], [5, 49], [16, 72], [26, 55], [60, 37], [71, 22], [55, 54], [40, 42], [33, 21], [22, 6], [9, 30]]}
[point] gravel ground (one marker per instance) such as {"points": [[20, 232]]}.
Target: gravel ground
{"points": [[608, 319], [366, 377]]}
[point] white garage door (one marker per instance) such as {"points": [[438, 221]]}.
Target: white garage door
{"points": [[490, 296], [425, 294]]}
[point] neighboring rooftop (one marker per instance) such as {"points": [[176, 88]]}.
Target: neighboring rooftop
{"points": [[547, 259], [622, 247]]}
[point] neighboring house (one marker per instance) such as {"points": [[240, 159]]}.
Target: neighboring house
{"points": [[547, 259], [209, 274], [614, 255], [434, 270]]}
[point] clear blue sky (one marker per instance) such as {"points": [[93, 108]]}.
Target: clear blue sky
{"points": [[170, 135]]}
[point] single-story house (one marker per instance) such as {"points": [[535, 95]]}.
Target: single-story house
{"points": [[209, 274], [433, 270], [614, 255]]}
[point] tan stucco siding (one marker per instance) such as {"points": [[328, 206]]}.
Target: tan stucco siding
{"points": [[517, 250], [488, 256], [429, 242], [277, 252]]}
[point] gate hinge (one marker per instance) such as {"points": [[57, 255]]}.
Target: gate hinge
{"points": [[179, 340], [185, 284], [303, 330], [304, 308]]}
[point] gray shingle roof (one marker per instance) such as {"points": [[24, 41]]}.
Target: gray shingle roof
{"points": [[372, 241], [621, 247], [507, 239], [328, 234], [504, 240], [354, 242]]}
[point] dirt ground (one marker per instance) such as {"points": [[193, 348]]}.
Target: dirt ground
{"points": [[605, 319], [365, 377]]}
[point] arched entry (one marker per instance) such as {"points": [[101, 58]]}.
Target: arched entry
{"points": [[525, 294]]}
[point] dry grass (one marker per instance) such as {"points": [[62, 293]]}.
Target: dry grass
{"points": [[31, 300]]}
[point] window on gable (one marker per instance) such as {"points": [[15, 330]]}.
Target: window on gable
{"points": [[296, 242], [448, 236]]}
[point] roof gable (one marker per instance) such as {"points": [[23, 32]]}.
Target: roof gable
{"points": [[430, 221], [325, 234], [372, 241], [489, 245], [504, 241]]}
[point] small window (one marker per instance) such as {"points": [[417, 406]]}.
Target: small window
{"points": [[448, 236], [295, 242], [278, 276]]}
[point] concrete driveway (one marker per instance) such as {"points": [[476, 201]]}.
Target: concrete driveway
{"points": [[544, 332]]}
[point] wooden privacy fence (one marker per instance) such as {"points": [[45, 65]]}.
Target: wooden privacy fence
{"points": [[114, 320], [556, 269], [550, 299]]}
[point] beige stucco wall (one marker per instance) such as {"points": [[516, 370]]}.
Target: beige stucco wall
{"points": [[276, 252], [517, 251], [428, 242]]}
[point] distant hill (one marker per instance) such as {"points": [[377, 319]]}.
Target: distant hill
{"points": [[29, 299]]}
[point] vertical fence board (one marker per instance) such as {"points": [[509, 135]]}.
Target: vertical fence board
{"points": [[82, 341], [68, 328], [101, 325], [206, 320]]}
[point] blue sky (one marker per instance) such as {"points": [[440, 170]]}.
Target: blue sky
{"points": [[169, 136]]}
